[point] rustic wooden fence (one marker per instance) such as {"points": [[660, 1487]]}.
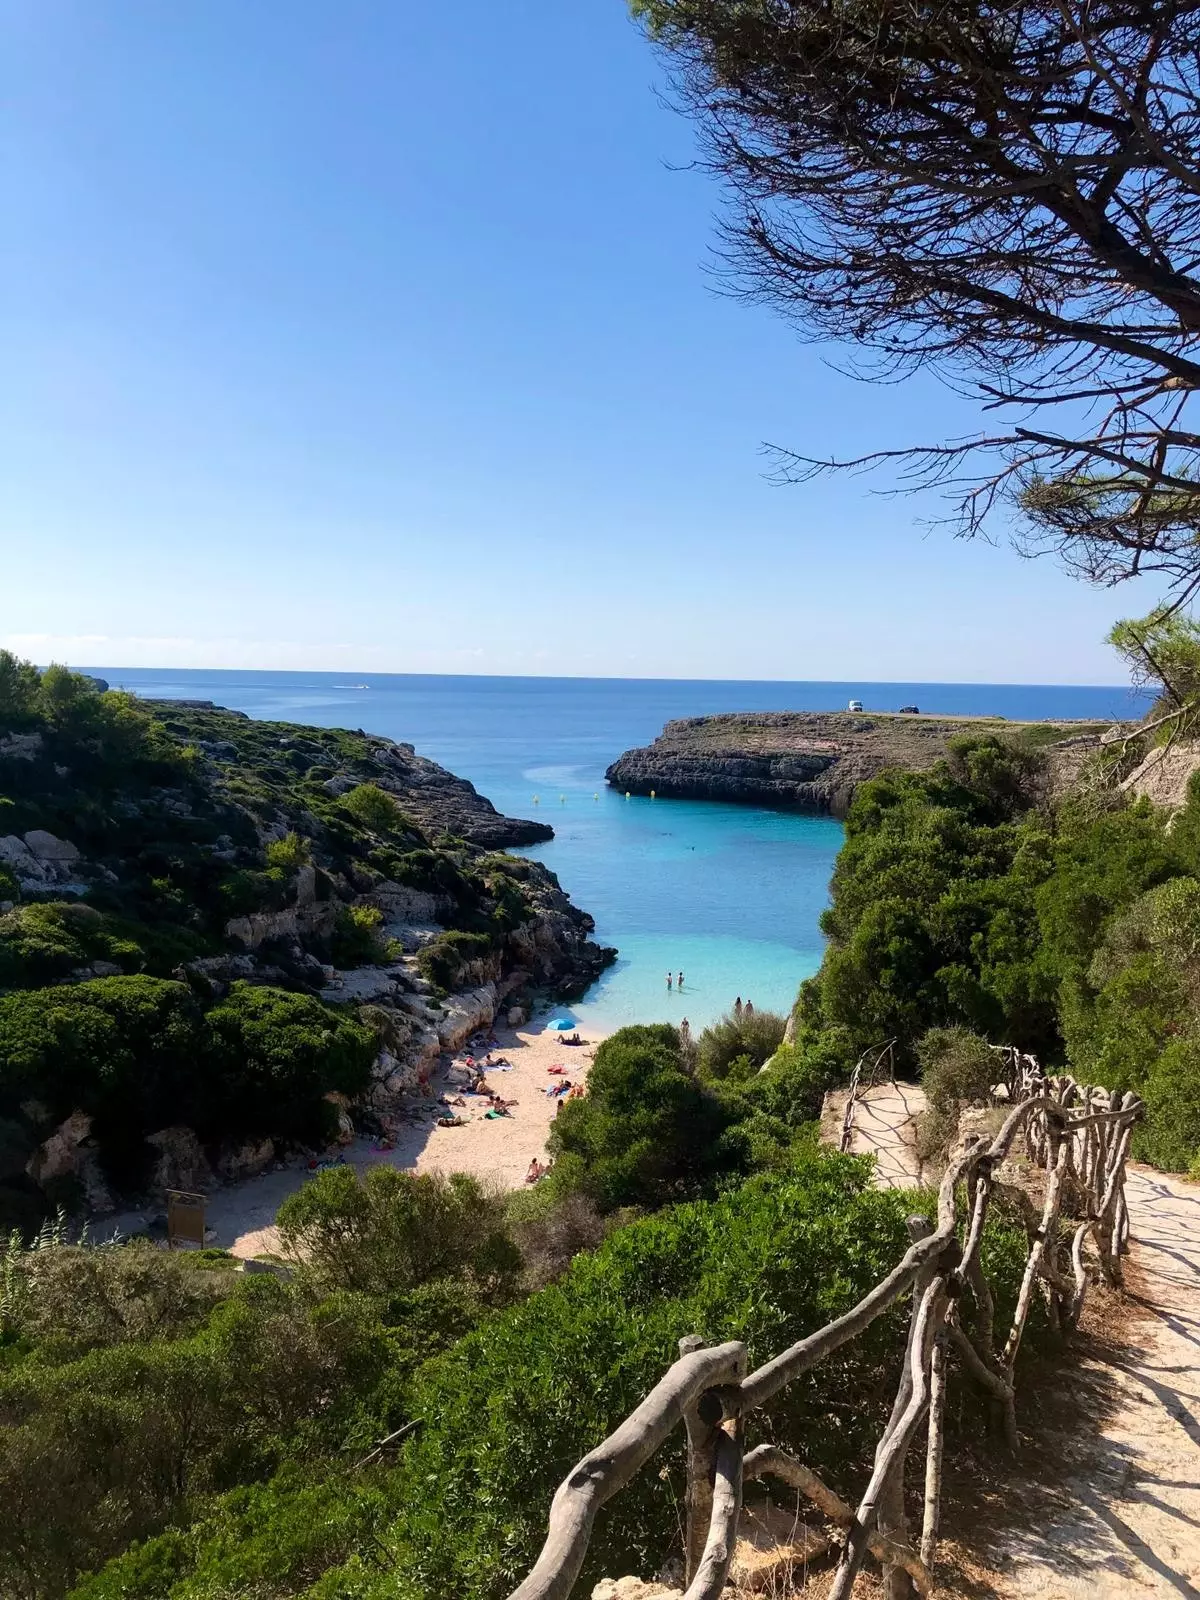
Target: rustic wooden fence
{"points": [[868, 1070], [1079, 1137]]}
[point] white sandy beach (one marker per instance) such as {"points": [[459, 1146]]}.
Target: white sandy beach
{"points": [[498, 1152]]}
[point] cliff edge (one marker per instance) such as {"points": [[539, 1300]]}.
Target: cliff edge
{"points": [[812, 760]]}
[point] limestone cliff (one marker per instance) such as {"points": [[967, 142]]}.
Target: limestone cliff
{"points": [[805, 760]]}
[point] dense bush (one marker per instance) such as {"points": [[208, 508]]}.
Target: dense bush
{"points": [[139, 1054], [737, 1046], [272, 1056], [374, 808], [445, 960], [648, 1132], [1074, 934], [392, 1231]]}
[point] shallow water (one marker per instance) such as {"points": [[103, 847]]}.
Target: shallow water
{"points": [[730, 894]]}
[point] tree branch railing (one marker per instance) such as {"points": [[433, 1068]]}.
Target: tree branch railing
{"points": [[866, 1075], [1078, 1136]]}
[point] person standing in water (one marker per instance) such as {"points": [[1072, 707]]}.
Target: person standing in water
{"points": [[668, 982], [737, 1009], [680, 985]]}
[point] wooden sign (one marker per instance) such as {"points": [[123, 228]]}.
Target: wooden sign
{"points": [[185, 1218]]}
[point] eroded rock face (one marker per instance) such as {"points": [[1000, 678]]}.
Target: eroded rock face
{"points": [[40, 861], [180, 1162], [246, 1160], [1164, 775], [808, 761], [21, 746], [68, 1153]]}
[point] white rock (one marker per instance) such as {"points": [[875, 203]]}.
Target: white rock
{"points": [[632, 1589], [517, 1017]]}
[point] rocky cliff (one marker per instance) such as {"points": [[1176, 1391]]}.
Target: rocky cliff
{"points": [[192, 902], [806, 760]]}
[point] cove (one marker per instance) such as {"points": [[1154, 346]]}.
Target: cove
{"points": [[730, 894]]}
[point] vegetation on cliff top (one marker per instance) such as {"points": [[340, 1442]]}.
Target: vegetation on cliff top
{"points": [[161, 959]]}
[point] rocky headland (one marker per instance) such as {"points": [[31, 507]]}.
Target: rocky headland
{"points": [[812, 761], [221, 938]]}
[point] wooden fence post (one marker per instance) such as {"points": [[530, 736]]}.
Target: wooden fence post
{"points": [[893, 1518], [705, 1438]]}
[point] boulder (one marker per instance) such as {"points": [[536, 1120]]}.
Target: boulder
{"points": [[29, 872], [180, 1162], [245, 1160], [517, 1017], [21, 746], [70, 1153], [465, 1014], [46, 847]]}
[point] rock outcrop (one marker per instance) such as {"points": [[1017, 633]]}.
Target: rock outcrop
{"points": [[809, 761]]}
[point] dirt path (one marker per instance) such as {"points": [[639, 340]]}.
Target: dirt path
{"points": [[242, 1215], [1121, 1520], [884, 1118], [1126, 1522]]}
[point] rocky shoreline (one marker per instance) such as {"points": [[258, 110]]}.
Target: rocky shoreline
{"points": [[809, 761]]}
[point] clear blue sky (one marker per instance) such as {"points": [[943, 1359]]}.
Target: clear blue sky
{"points": [[378, 335]]}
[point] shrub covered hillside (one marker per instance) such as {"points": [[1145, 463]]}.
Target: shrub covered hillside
{"points": [[217, 923], [171, 1430], [964, 900]]}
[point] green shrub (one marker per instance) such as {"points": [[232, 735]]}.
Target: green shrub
{"points": [[392, 1231], [520, 1400], [271, 1057], [289, 853], [647, 1133], [374, 808], [445, 960], [748, 1040], [358, 938]]}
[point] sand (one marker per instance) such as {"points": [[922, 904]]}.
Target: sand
{"points": [[241, 1216]]}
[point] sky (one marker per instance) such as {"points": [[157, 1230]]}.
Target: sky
{"points": [[385, 336]]}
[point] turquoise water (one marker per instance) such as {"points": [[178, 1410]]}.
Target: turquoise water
{"points": [[730, 894]]}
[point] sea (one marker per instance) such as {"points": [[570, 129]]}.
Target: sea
{"points": [[731, 896]]}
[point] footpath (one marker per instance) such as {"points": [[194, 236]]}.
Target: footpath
{"points": [[1126, 1520], [1111, 1508]]}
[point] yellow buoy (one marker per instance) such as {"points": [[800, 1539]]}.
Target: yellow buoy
{"points": [[652, 794], [536, 800], [627, 794], [595, 797], [562, 799]]}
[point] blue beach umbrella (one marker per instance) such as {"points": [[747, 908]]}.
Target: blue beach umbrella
{"points": [[563, 1024]]}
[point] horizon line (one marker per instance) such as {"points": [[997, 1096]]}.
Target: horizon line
{"points": [[570, 677]]}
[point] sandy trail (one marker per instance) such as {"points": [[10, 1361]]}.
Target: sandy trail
{"points": [[242, 1215], [1129, 1524], [884, 1126], [1124, 1522]]}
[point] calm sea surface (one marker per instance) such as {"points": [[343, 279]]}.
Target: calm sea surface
{"points": [[730, 894]]}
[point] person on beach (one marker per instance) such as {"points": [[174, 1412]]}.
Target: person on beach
{"points": [[749, 1011], [680, 984], [737, 1009], [668, 983]]}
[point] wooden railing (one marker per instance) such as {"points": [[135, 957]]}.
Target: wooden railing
{"points": [[865, 1075], [1079, 1136]]}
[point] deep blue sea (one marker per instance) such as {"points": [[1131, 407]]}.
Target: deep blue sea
{"points": [[730, 894]]}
